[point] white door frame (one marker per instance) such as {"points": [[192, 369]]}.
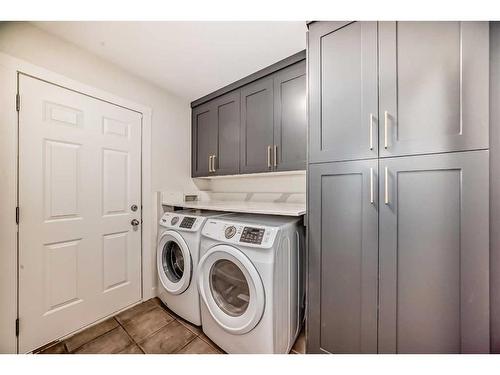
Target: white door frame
{"points": [[9, 69]]}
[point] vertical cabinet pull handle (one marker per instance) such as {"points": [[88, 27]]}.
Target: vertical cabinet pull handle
{"points": [[386, 183], [211, 164], [269, 156], [386, 115], [371, 186], [275, 155], [371, 131]]}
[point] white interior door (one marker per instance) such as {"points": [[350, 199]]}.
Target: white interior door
{"points": [[79, 175]]}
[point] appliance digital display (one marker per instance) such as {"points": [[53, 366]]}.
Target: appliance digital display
{"points": [[252, 235]]}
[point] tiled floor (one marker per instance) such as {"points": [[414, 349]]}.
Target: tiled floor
{"points": [[145, 328]]}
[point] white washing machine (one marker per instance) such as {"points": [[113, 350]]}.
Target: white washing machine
{"points": [[251, 282], [177, 256]]}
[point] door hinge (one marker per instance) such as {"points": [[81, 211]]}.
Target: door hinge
{"points": [[18, 102], [17, 215], [17, 327]]}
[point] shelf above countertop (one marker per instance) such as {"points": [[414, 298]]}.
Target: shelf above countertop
{"points": [[253, 175], [266, 208]]}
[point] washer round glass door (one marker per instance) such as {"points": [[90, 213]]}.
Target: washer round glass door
{"points": [[174, 263], [231, 288]]}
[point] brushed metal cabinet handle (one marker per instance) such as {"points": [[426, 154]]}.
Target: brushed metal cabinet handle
{"points": [[386, 118], [371, 186], [275, 155], [386, 183], [210, 163], [213, 163], [371, 131], [269, 156]]}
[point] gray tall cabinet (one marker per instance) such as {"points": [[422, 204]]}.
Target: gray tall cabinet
{"points": [[398, 184]]}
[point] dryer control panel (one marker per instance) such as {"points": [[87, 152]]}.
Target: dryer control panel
{"points": [[181, 221], [252, 235], [249, 235]]}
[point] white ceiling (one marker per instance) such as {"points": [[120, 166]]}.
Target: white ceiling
{"points": [[189, 59]]}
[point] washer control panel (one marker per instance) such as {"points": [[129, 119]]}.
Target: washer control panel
{"points": [[187, 222], [240, 234], [181, 221]]}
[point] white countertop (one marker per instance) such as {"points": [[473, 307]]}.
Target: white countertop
{"points": [[267, 208]]}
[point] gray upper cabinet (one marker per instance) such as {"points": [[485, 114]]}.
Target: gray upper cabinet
{"points": [[203, 139], [397, 88], [256, 135], [434, 249], [434, 87], [290, 120], [343, 97], [343, 257], [227, 127], [257, 124]]}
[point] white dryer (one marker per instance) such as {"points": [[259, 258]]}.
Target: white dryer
{"points": [[251, 282], [177, 256]]}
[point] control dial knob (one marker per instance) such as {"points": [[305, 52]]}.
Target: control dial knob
{"points": [[174, 220], [229, 232]]}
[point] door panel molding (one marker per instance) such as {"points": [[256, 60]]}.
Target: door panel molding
{"points": [[343, 232], [438, 188], [203, 147], [426, 114], [227, 133], [290, 119], [342, 71], [255, 142]]}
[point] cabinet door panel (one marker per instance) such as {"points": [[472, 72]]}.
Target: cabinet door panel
{"points": [[343, 253], [434, 272], [290, 120], [202, 139], [256, 126], [343, 94], [433, 87], [227, 114]]}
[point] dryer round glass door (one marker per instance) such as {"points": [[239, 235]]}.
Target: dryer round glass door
{"points": [[231, 288], [174, 262]]}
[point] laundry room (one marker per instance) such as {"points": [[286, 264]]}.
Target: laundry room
{"points": [[197, 180]]}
